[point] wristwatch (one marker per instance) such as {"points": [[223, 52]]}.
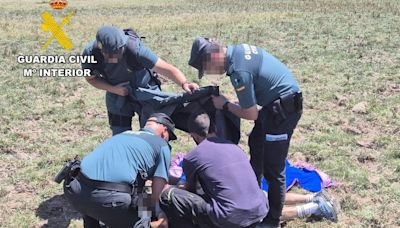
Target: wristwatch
{"points": [[225, 106]]}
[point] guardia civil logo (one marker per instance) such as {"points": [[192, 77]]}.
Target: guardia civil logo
{"points": [[54, 28]]}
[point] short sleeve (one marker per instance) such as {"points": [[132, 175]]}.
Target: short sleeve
{"points": [[163, 163], [243, 83], [87, 52], [145, 56], [189, 170]]}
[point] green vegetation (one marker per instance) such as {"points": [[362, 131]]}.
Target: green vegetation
{"points": [[345, 54]]}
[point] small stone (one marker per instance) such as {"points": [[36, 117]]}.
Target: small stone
{"points": [[365, 143], [341, 100], [361, 108]]}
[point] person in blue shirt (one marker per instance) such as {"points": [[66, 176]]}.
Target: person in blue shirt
{"points": [[124, 62], [112, 176], [259, 80]]}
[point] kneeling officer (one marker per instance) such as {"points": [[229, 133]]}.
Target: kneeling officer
{"points": [[110, 177]]}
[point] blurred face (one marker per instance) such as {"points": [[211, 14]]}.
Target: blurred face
{"points": [[160, 129], [113, 57], [214, 63]]}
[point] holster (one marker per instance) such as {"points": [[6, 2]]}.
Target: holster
{"points": [[292, 102], [138, 186], [285, 105], [70, 170]]}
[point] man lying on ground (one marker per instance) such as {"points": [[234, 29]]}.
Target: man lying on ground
{"points": [[231, 195]]}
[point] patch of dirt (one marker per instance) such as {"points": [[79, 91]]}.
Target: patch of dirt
{"points": [[341, 100], [360, 108], [297, 157], [94, 113], [73, 133], [28, 130], [389, 90], [352, 130], [366, 143], [16, 197], [7, 169], [56, 212], [298, 137], [364, 158], [328, 106], [18, 153]]}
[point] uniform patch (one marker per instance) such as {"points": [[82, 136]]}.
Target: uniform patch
{"points": [[274, 138], [254, 50], [240, 88]]}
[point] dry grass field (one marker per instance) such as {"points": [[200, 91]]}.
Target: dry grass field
{"points": [[344, 53]]}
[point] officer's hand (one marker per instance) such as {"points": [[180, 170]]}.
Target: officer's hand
{"points": [[120, 89], [190, 86], [162, 221], [219, 101]]}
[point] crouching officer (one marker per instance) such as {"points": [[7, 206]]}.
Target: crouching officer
{"points": [[258, 79], [123, 61], [111, 177]]}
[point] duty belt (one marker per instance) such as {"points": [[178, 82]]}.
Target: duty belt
{"points": [[105, 185], [291, 103]]}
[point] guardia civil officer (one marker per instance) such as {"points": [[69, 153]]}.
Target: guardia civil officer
{"points": [[123, 61], [258, 79], [112, 176]]}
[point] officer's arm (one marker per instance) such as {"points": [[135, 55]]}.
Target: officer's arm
{"points": [[149, 60], [157, 186], [245, 113], [173, 73], [243, 84], [99, 83], [160, 178], [250, 113], [93, 80]]}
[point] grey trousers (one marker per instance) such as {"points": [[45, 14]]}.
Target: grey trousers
{"points": [[185, 209], [113, 208]]}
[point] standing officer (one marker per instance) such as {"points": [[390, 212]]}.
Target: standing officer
{"points": [[123, 61], [258, 79], [112, 176]]}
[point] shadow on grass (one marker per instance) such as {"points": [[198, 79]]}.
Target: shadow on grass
{"points": [[57, 211]]}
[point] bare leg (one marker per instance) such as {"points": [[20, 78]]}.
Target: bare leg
{"points": [[294, 198]]}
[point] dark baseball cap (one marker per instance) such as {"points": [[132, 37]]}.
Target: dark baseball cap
{"points": [[111, 38], [200, 47], [165, 120]]}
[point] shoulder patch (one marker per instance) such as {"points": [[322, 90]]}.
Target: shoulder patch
{"points": [[238, 84], [241, 88]]}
